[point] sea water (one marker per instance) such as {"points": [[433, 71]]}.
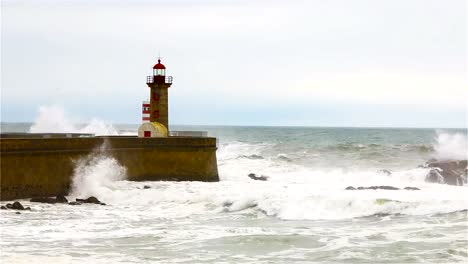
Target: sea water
{"points": [[302, 213]]}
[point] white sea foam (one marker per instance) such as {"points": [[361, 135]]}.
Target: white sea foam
{"points": [[292, 191], [451, 146], [54, 119], [96, 175], [181, 219]]}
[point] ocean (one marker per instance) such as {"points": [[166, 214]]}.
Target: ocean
{"points": [[300, 214]]}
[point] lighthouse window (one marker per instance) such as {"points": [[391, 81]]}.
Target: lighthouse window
{"points": [[159, 72]]}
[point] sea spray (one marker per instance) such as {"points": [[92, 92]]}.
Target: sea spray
{"points": [[451, 146], [54, 119], [98, 127], [96, 174]]}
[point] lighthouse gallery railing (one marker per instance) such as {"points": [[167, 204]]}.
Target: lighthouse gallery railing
{"points": [[151, 79]]}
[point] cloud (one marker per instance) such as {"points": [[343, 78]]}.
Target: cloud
{"points": [[238, 53]]}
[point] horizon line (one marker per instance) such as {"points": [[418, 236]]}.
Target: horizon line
{"points": [[282, 126]]}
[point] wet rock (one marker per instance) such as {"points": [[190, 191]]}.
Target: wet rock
{"points": [[61, 199], [17, 213], [146, 187], [49, 200], [412, 188], [3, 207], [91, 199], [387, 188], [254, 176], [381, 214], [350, 188], [17, 206], [227, 204], [74, 203], [361, 188], [386, 172], [9, 205], [434, 176], [452, 172]]}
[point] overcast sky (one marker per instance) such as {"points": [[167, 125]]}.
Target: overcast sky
{"points": [[394, 63]]}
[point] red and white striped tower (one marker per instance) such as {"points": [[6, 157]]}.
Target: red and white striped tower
{"points": [[146, 111]]}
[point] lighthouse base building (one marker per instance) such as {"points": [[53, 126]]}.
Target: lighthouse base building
{"points": [[154, 155]]}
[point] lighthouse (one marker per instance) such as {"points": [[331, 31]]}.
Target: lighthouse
{"points": [[157, 112]]}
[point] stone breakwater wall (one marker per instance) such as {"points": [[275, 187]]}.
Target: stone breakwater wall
{"points": [[38, 167]]}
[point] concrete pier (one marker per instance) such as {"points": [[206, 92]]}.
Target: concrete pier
{"points": [[33, 167]]}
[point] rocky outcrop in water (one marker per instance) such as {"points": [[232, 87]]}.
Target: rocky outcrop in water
{"points": [[15, 206], [385, 172], [91, 200], [62, 199], [50, 200], [254, 176], [412, 189], [452, 172]]}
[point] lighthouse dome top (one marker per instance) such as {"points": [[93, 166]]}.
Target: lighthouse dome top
{"points": [[159, 65]]}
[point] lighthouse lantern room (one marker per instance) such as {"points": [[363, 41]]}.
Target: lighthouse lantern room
{"points": [[159, 69], [157, 111]]}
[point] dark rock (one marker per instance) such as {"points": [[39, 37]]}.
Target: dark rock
{"points": [[28, 208], [253, 176], [74, 203], [9, 206], [361, 188], [61, 199], [412, 188], [3, 207], [91, 199], [452, 172], [227, 203], [17, 206], [386, 172], [434, 176], [146, 187], [387, 188], [381, 214], [102, 203], [350, 188], [49, 200], [17, 213]]}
